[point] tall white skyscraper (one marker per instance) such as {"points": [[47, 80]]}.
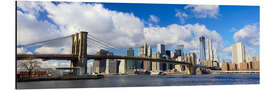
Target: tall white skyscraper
{"points": [[238, 53], [215, 57], [209, 50]]}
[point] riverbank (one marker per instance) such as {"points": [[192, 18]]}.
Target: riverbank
{"points": [[85, 77], [235, 72]]}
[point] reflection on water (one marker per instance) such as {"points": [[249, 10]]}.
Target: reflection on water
{"points": [[144, 80]]}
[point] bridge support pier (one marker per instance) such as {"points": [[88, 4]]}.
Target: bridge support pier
{"points": [[190, 70], [79, 48]]}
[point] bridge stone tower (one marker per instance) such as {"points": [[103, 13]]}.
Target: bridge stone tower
{"points": [[79, 48], [191, 58]]}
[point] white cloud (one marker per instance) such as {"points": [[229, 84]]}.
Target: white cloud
{"points": [[181, 15], [204, 11], [30, 30], [249, 35], [153, 18], [227, 51], [99, 22]]}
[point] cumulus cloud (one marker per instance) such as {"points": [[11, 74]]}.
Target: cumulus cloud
{"points": [[249, 35], [153, 18], [182, 16], [204, 11], [30, 30], [99, 22]]}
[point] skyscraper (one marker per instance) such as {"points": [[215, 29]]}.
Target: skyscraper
{"points": [[155, 65], [130, 64], [169, 65], [168, 53], [215, 57], [238, 53], [147, 64], [139, 64], [161, 49], [209, 52], [179, 52], [202, 48], [145, 49], [100, 65], [122, 69]]}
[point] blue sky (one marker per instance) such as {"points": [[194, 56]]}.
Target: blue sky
{"points": [[171, 24]]}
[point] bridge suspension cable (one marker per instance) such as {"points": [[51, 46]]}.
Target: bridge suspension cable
{"points": [[46, 41], [97, 45], [99, 41]]}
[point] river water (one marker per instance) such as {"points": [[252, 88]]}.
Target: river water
{"points": [[146, 80]]}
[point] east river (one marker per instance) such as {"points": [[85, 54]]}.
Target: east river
{"points": [[146, 80]]}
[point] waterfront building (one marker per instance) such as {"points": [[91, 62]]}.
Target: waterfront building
{"points": [[202, 48], [91, 67], [172, 54], [147, 64], [169, 66], [255, 65], [100, 65], [139, 64], [215, 63], [111, 65], [209, 52], [156, 65], [233, 67], [238, 53], [122, 69], [130, 66], [161, 50], [225, 66]]}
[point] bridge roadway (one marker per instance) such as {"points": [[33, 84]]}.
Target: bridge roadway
{"points": [[96, 57]]}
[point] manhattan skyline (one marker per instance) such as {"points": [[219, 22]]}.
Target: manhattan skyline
{"points": [[131, 25]]}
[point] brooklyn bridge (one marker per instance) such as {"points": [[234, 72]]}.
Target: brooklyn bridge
{"points": [[79, 56]]}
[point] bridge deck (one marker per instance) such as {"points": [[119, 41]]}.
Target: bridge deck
{"points": [[96, 57]]}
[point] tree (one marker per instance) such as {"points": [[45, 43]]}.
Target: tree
{"points": [[29, 66]]}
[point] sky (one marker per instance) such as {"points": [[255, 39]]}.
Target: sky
{"points": [[126, 25]]}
